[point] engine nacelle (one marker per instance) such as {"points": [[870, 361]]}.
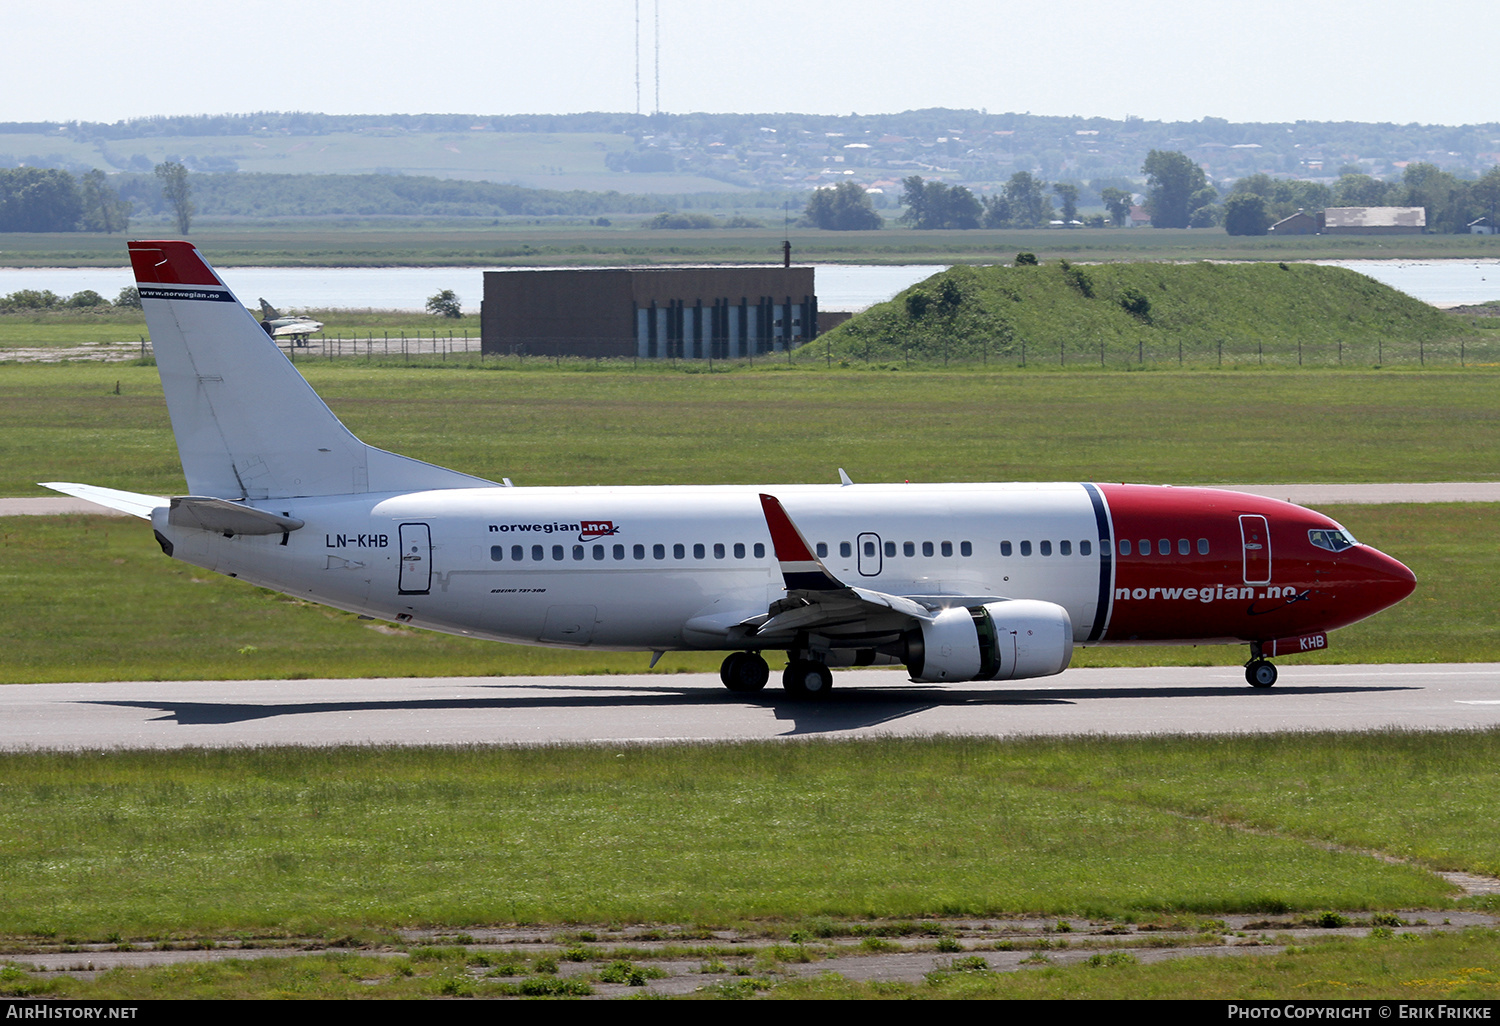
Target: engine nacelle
{"points": [[996, 641]]}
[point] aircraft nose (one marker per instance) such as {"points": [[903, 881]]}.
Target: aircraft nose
{"points": [[1384, 581]]}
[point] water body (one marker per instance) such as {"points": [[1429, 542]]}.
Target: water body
{"points": [[840, 286]]}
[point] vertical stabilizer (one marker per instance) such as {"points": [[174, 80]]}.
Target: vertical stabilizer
{"points": [[247, 424]]}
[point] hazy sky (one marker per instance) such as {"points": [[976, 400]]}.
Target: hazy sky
{"points": [[1275, 60]]}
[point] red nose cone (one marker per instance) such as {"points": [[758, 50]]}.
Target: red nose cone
{"points": [[1379, 580]]}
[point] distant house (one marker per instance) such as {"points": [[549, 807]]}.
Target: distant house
{"points": [[1139, 216], [1374, 220], [1300, 223], [1481, 226]]}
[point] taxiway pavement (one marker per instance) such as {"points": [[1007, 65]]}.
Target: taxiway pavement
{"points": [[696, 707]]}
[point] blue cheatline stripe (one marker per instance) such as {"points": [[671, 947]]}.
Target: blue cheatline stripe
{"points": [[189, 292], [1106, 558], [809, 581]]}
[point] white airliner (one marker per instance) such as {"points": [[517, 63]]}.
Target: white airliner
{"points": [[958, 582]]}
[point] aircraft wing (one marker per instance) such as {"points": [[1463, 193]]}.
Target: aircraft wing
{"points": [[134, 503], [817, 600]]}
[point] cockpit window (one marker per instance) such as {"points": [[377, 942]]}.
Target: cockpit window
{"points": [[1332, 540]]}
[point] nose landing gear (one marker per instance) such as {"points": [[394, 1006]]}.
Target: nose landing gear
{"points": [[1260, 672]]}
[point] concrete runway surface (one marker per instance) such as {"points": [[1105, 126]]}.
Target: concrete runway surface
{"points": [[695, 707]]}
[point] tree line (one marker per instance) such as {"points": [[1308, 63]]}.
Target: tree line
{"points": [[1178, 195], [36, 199], [46, 200]]}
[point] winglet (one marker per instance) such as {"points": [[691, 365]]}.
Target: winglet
{"points": [[802, 570]]}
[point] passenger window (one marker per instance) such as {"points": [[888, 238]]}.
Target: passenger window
{"points": [[739, 550], [497, 552], [908, 548], [822, 549], [1145, 548], [638, 551], [619, 552], [598, 552], [869, 548], [845, 549], [577, 551], [760, 550], [718, 550], [658, 551], [1183, 548], [947, 548], [1005, 548], [1084, 548], [927, 548], [1026, 548], [890, 548], [557, 552], [965, 549], [698, 551], [538, 553], [517, 553], [1046, 548], [1064, 548], [678, 551], [1164, 546], [1202, 546], [1124, 546]]}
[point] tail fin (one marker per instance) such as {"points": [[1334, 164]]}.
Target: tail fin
{"points": [[267, 311], [247, 424]]}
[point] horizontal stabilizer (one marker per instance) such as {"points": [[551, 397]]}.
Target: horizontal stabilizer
{"points": [[224, 517], [134, 503]]}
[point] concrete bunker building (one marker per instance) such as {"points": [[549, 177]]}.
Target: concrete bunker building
{"points": [[690, 313]]}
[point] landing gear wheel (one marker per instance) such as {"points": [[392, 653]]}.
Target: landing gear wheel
{"points": [[805, 679], [1259, 673], [744, 672]]}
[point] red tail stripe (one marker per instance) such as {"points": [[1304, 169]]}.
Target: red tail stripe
{"points": [[170, 263]]}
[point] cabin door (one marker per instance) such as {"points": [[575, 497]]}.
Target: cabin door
{"points": [[1255, 543], [416, 560]]}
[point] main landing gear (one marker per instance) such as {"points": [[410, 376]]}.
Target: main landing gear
{"points": [[744, 672], [1260, 672], [804, 678], [747, 672]]}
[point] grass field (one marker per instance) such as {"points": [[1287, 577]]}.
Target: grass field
{"points": [[564, 241], [323, 841], [578, 425]]}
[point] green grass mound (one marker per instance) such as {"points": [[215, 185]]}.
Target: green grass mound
{"points": [[1112, 313]]}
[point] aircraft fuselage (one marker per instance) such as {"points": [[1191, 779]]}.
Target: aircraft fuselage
{"points": [[663, 568]]}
